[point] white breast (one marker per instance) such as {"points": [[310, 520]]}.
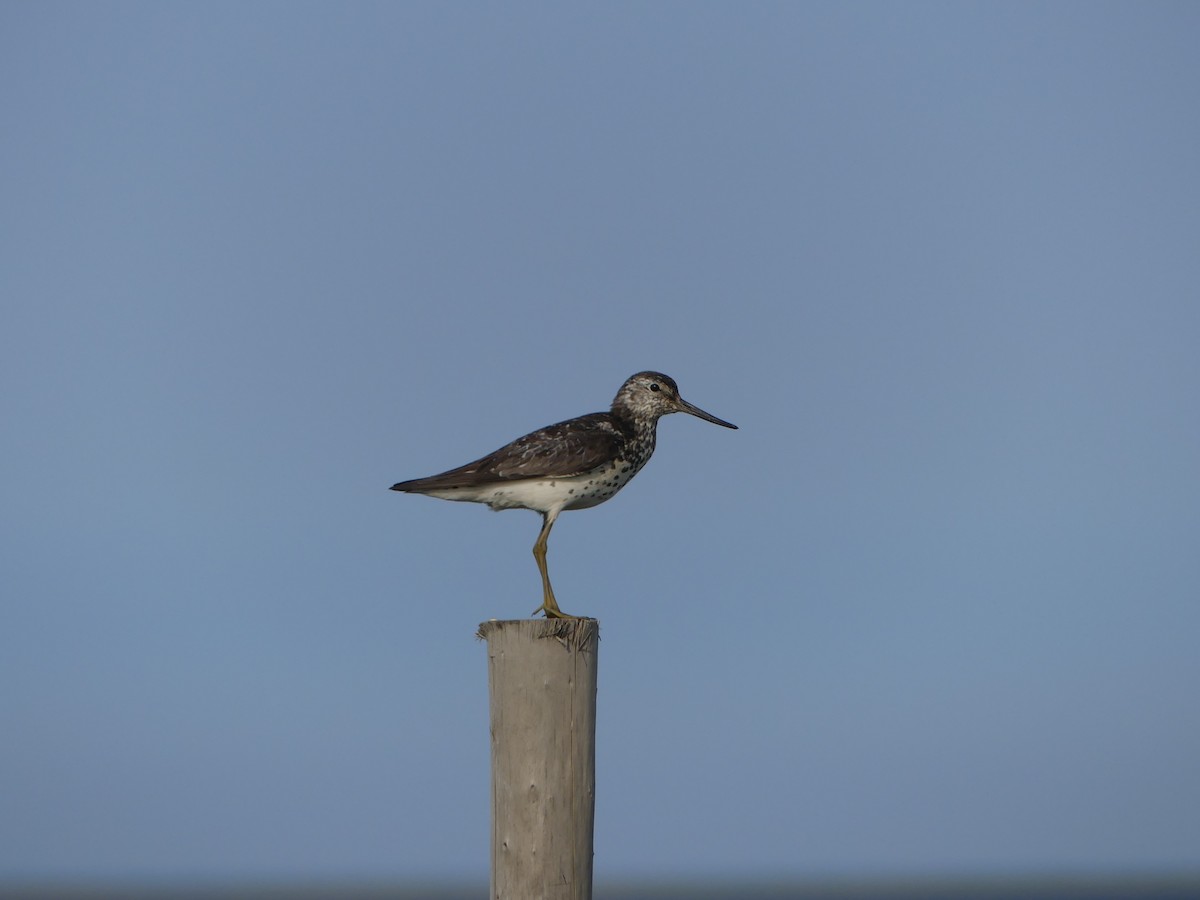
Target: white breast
{"points": [[545, 494]]}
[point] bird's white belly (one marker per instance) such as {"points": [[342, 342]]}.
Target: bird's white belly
{"points": [[545, 494]]}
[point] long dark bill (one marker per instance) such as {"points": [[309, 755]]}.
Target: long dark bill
{"points": [[701, 414]]}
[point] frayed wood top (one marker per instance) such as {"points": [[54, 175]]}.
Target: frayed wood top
{"points": [[575, 634]]}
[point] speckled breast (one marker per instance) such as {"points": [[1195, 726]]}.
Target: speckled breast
{"points": [[596, 487]]}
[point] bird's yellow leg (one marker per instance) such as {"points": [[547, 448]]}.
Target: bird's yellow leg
{"points": [[549, 604]]}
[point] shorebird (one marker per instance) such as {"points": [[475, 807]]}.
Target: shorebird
{"points": [[574, 464]]}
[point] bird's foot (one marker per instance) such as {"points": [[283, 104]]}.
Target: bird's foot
{"points": [[553, 612]]}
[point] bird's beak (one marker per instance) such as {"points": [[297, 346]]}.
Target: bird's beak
{"points": [[686, 407]]}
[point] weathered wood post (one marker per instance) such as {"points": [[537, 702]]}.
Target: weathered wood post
{"points": [[542, 692]]}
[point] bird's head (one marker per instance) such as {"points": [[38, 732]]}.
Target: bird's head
{"points": [[648, 396]]}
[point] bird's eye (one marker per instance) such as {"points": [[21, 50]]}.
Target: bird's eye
{"points": [[654, 387]]}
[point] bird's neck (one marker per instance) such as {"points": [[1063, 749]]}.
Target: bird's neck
{"points": [[640, 432]]}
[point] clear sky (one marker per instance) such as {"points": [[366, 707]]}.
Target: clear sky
{"points": [[932, 609]]}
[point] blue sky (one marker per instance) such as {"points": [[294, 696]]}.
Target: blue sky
{"points": [[932, 609]]}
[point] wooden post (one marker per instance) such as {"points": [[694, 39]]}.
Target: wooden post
{"points": [[542, 690]]}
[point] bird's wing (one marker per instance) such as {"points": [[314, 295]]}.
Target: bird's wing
{"points": [[568, 448], [574, 447]]}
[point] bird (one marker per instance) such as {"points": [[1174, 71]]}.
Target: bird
{"points": [[575, 464]]}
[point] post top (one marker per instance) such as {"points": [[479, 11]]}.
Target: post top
{"points": [[577, 634]]}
